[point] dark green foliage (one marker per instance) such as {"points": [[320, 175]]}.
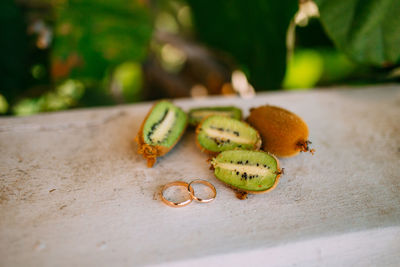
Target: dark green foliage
{"points": [[97, 34], [94, 49], [13, 50], [368, 31], [253, 32]]}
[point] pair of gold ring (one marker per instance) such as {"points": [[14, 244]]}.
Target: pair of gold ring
{"points": [[192, 194]]}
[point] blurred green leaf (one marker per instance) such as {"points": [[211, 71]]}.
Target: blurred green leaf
{"points": [[304, 70], [127, 81], [337, 67], [309, 67], [66, 95], [92, 35], [253, 32], [71, 89], [368, 31], [3, 104], [27, 106]]}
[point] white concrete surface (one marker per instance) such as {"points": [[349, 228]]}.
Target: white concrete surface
{"points": [[73, 191]]}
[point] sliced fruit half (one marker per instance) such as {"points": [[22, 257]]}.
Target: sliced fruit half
{"points": [[161, 130], [248, 171], [218, 133], [196, 115]]}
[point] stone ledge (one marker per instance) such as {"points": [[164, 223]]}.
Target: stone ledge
{"points": [[74, 191]]}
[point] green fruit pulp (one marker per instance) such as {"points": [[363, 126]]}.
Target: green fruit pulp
{"points": [[164, 125], [246, 170], [196, 115], [219, 133]]}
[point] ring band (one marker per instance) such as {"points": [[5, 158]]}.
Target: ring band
{"points": [[199, 181], [176, 204]]}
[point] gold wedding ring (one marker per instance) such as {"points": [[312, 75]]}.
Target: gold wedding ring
{"points": [[176, 204], [191, 193], [208, 184]]}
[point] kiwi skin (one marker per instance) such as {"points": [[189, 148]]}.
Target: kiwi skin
{"points": [[283, 133], [150, 153], [257, 145]]}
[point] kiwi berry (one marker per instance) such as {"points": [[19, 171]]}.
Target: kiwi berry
{"points": [[247, 171], [161, 130], [283, 133], [196, 115], [218, 133]]}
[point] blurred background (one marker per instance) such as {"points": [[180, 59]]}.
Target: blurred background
{"points": [[63, 54]]}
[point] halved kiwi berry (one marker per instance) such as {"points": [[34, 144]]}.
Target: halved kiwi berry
{"points": [[196, 115], [283, 133], [161, 130], [218, 133], [247, 171]]}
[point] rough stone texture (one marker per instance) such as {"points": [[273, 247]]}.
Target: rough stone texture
{"points": [[73, 191]]}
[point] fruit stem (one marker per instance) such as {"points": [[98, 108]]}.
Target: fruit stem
{"points": [[149, 153], [305, 146], [241, 194], [281, 171]]}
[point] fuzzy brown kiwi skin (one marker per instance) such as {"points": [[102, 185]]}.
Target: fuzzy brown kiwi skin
{"points": [[150, 153], [271, 129], [242, 194], [257, 146]]}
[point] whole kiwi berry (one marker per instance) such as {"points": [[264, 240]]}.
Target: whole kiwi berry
{"points": [[283, 133]]}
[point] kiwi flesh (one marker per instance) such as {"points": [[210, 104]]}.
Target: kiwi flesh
{"points": [[283, 133], [247, 171], [161, 130], [196, 115], [218, 133]]}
